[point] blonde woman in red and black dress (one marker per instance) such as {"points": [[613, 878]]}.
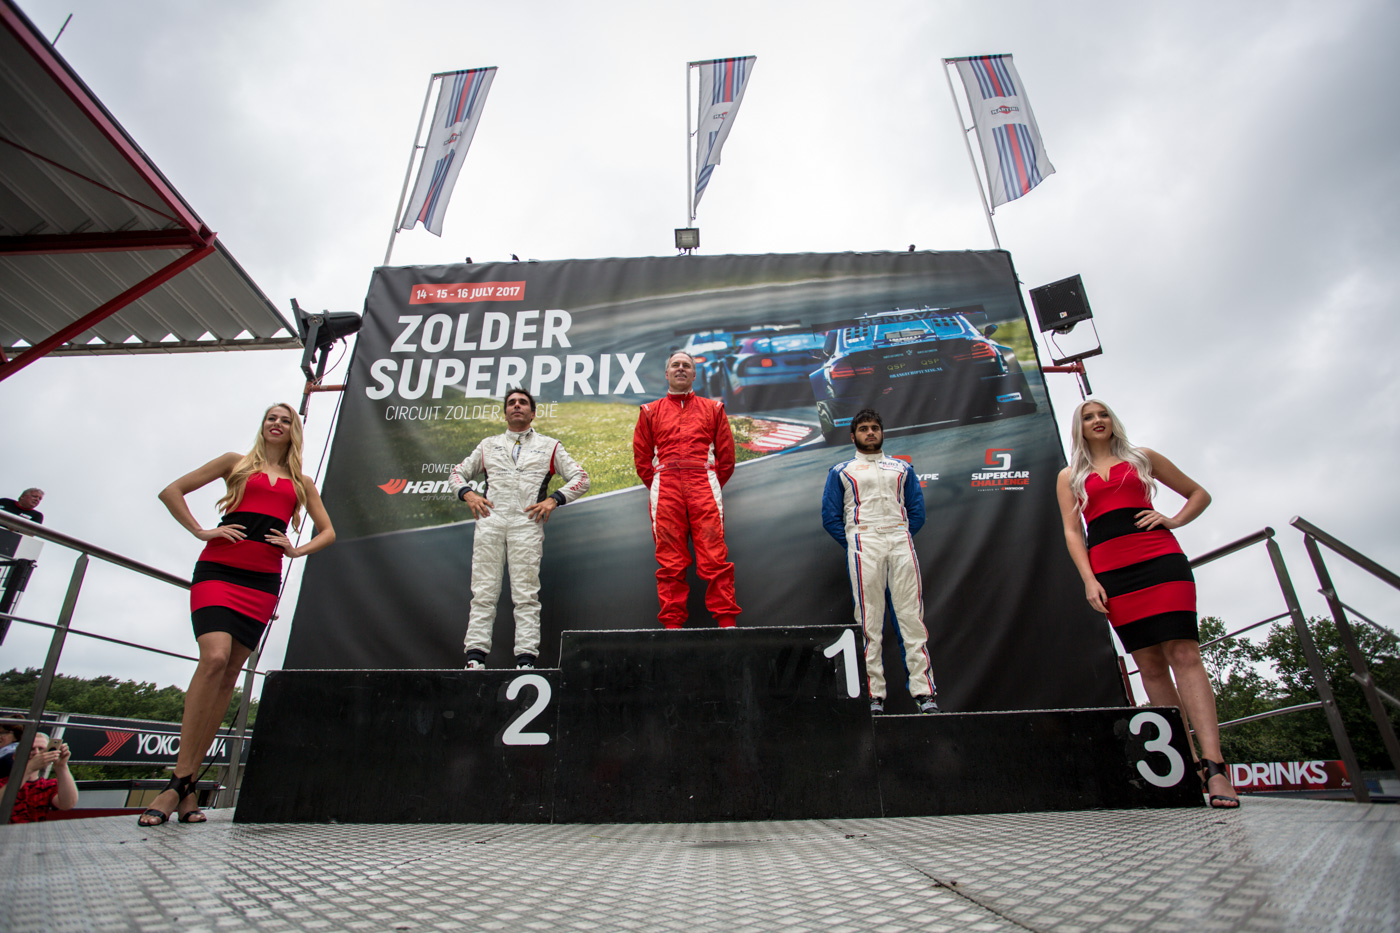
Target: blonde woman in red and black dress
{"points": [[1135, 572], [234, 589]]}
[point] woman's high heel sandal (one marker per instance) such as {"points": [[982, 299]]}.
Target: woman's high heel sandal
{"points": [[1218, 769], [186, 788], [183, 787]]}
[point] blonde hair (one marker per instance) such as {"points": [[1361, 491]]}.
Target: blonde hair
{"points": [[256, 459], [1081, 464]]}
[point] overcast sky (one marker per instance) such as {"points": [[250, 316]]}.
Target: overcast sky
{"points": [[1227, 183]]}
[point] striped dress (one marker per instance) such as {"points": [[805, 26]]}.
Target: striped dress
{"points": [[235, 583], [1151, 592]]}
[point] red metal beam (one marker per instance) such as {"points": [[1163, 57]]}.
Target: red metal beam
{"points": [[40, 50], [1076, 367], [88, 321], [120, 242]]}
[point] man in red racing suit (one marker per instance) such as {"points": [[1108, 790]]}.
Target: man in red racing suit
{"points": [[684, 452]]}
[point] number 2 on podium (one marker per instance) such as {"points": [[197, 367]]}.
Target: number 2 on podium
{"points": [[514, 733]]}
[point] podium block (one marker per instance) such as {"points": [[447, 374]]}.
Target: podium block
{"points": [[1007, 762], [696, 725], [403, 747]]}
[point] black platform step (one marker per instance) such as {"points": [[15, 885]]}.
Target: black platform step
{"points": [[714, 724], [403, 747], [681, 726], [1035, 760]]}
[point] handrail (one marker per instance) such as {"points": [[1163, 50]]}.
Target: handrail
{"points": [[108, 638], [1371, 622], [1315, 704], [1327, 701], [1239, 632], [80, 726], [1311, 536], [1262, 535], [23, 526], [1350, 553], [1379, 692], [63, 629]]}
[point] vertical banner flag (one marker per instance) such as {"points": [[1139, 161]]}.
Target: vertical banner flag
{"points": [[722, 84], [460, 101], [1012, 152]]}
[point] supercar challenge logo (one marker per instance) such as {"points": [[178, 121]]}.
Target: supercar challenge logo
{"points": [[997, 472]]}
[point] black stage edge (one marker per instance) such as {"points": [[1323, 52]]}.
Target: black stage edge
{"points": [[403, 747], [714, 724], [682, 726], [1063, 759]]}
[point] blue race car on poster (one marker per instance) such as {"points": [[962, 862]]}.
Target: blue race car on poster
{"points": [[767, 370], [917, 366]]}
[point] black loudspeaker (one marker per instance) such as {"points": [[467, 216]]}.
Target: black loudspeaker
{"points": [[1061, 305]]}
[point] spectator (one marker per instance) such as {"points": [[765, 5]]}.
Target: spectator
{"points": [[9, 740], [38, 795], [26, 506]]}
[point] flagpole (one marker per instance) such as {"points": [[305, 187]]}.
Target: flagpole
{"points": [[408, 172], [981, 192], [689, 171]]}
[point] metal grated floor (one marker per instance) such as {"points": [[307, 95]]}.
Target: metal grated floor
{"points": [[1274, 865]]}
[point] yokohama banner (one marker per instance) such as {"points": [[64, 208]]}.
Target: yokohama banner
{"points": [[104, 740], [939, 343]]}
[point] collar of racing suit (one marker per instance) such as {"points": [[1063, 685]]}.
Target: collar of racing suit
{"points": [[873, 458], [522, 436]]}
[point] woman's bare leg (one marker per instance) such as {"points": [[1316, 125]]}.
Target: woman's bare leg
{"points": [[206, 702], [1198, 701], [1156, 676]]}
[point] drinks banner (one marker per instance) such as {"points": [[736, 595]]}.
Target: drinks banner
{"points": [[938, 342], [1264, 776]]}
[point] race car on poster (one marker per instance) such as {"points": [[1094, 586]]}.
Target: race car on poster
{"points": [[706, 346], [767, 370], [915, 366]]}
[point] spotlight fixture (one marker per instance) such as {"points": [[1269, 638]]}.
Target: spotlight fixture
{"points": [[318, 332]]}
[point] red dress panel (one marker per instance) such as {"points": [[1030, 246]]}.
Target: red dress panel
{"points": [[245, 575], [1144, 572]]}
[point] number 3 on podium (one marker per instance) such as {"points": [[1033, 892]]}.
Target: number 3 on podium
{"points": [[1176, 767]]}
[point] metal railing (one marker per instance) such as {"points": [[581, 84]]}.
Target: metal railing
{"points": [[61, 631], [1361, 673], [1326, 699]]}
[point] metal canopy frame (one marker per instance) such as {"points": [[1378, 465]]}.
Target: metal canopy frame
{"points": [[86, 219]]}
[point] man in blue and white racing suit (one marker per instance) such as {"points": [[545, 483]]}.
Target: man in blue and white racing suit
{"points": [[518, 466], [873, 506]]}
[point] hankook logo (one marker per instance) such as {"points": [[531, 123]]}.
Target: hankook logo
{"points": [[423, 487]]}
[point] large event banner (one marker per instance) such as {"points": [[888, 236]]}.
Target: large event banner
{"points": [[939, 343]]}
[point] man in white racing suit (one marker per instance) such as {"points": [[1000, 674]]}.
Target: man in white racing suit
{"points": [[518, 466], [873, 506]]}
